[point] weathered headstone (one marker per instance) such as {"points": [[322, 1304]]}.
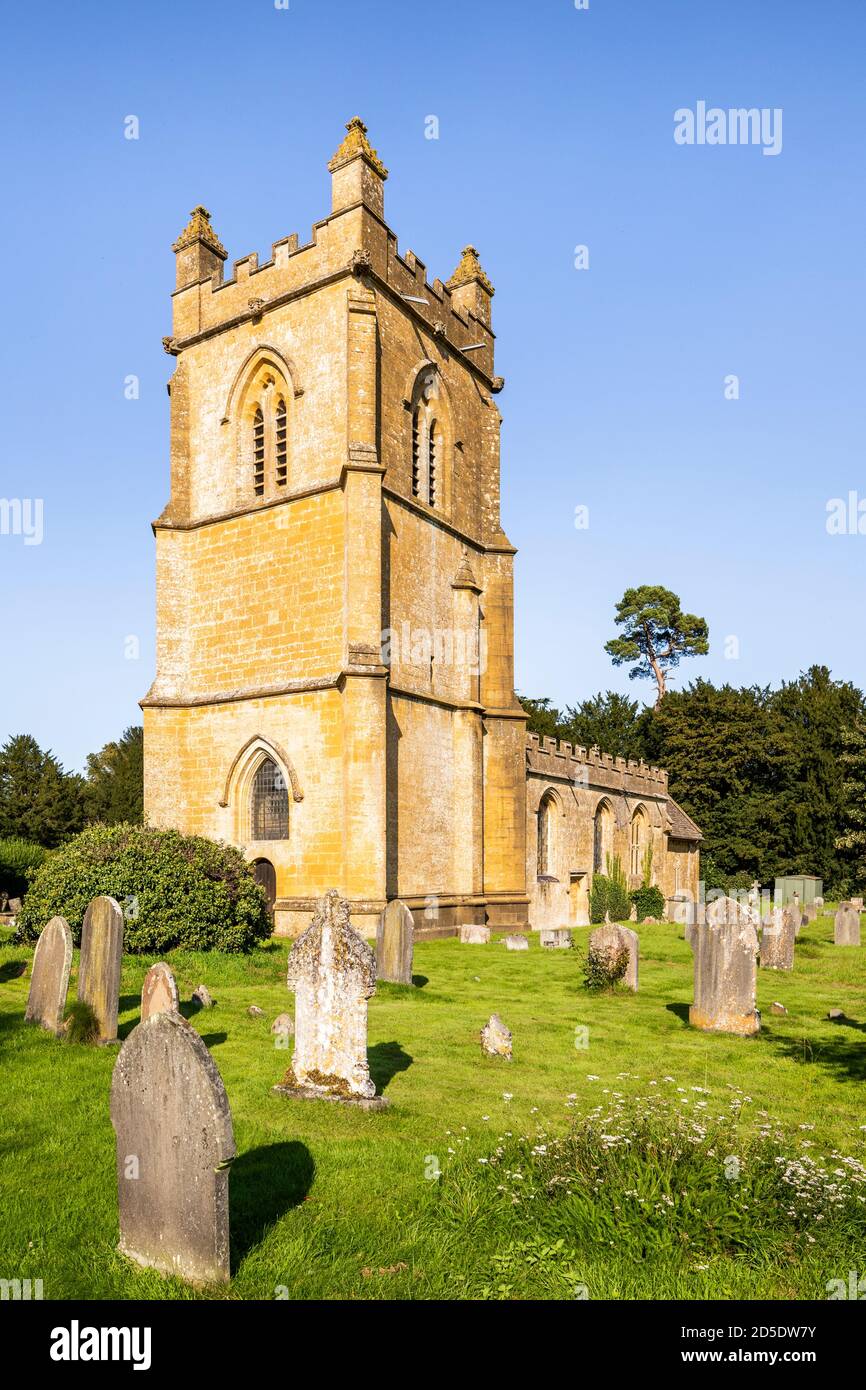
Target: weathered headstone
{"points": [[100, 962], [49, 979], [255, 1012], [159, 992], [810, 913], [777, 1008], [777, 941], [516, 942], [819, 903], [858, 903], [610, 938], [202, 995], [474, 935], [846, 926], [333, 973], [496, 1039], [174, 1137], [283, 1025], [725, 948], [395, 935], [555, 938]]}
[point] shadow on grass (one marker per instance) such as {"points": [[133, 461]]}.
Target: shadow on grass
{"points": [[385, 1061], [264, 1184], [213, 1039], [12, 970], [845, 1056], [681, 1011], [419, 981]]}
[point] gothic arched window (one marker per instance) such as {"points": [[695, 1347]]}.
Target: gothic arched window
{"points": [[601, 837], [546, 826], [269, 803], [268, 419], [429, 435], [638, 840]]}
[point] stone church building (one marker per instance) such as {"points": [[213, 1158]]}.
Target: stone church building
{"points": [[334, 688]]}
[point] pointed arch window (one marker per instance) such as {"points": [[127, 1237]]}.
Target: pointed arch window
{"points": [[546, 829], [638, 841], [428, 442], [601, 835], [269, 803], [269, 435]]}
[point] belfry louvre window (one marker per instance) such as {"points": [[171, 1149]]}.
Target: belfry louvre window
{"points": [[259, 452], [280, 447], [432, 463], [416, 455], [269, 809]]}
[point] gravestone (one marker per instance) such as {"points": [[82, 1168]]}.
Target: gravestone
{"points": [[846, 926], [555, 938], [496, 1039], [159, 992], [725, 948], [395, 935], [333, 973], [516, 942], [858, 903], [283, 1025], [609, 938], [99, 966], [473, 935], [810, 913], [777, 941], [174, 1138], [819, 903], [49, 979]]}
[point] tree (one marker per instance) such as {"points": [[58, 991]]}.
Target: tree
{"points": [[851, 839], [38, 799], [544, 718], [609, 721], [656, 634], [114, 791]]}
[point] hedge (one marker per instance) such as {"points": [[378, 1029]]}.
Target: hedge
{"points": [[175, 890]]}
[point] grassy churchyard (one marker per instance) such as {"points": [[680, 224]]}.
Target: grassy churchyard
{"points": [[621, 1154]]}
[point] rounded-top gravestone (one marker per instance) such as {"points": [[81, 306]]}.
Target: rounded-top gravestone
{"points": [[175, 1142], [99, 966], [49, 980], [159, 992]]}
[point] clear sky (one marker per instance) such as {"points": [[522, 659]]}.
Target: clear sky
{"points": [[556, 129]]}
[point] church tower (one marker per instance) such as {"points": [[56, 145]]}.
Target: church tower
{"points": [[334, 688]]}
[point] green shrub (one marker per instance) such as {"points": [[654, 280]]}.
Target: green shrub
{"points": [[604, 966], [175, 890], [19, 860], [609, 893], [649, 902]]}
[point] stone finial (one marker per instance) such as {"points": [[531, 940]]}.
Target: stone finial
{"points": [[464, 578], [199, 229], [199, 252], [356, 145], [469, 270]]}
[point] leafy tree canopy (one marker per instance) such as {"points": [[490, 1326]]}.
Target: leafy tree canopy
{"points": [[656, 635]]}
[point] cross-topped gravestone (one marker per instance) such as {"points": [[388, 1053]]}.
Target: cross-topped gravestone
{"points": [[725, 949], [159, 992], [777, 941], [99, 966], [395, 935], [846, 926], [333, 973], [175, 1142], [49, 980]]}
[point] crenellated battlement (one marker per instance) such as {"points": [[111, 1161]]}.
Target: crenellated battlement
{"points": [[353, 240], [561, 759]]}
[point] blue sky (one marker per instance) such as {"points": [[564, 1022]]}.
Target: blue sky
{"points": [[555, 130]]}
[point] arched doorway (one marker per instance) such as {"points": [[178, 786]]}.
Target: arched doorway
{"points": [[265, 874]]}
